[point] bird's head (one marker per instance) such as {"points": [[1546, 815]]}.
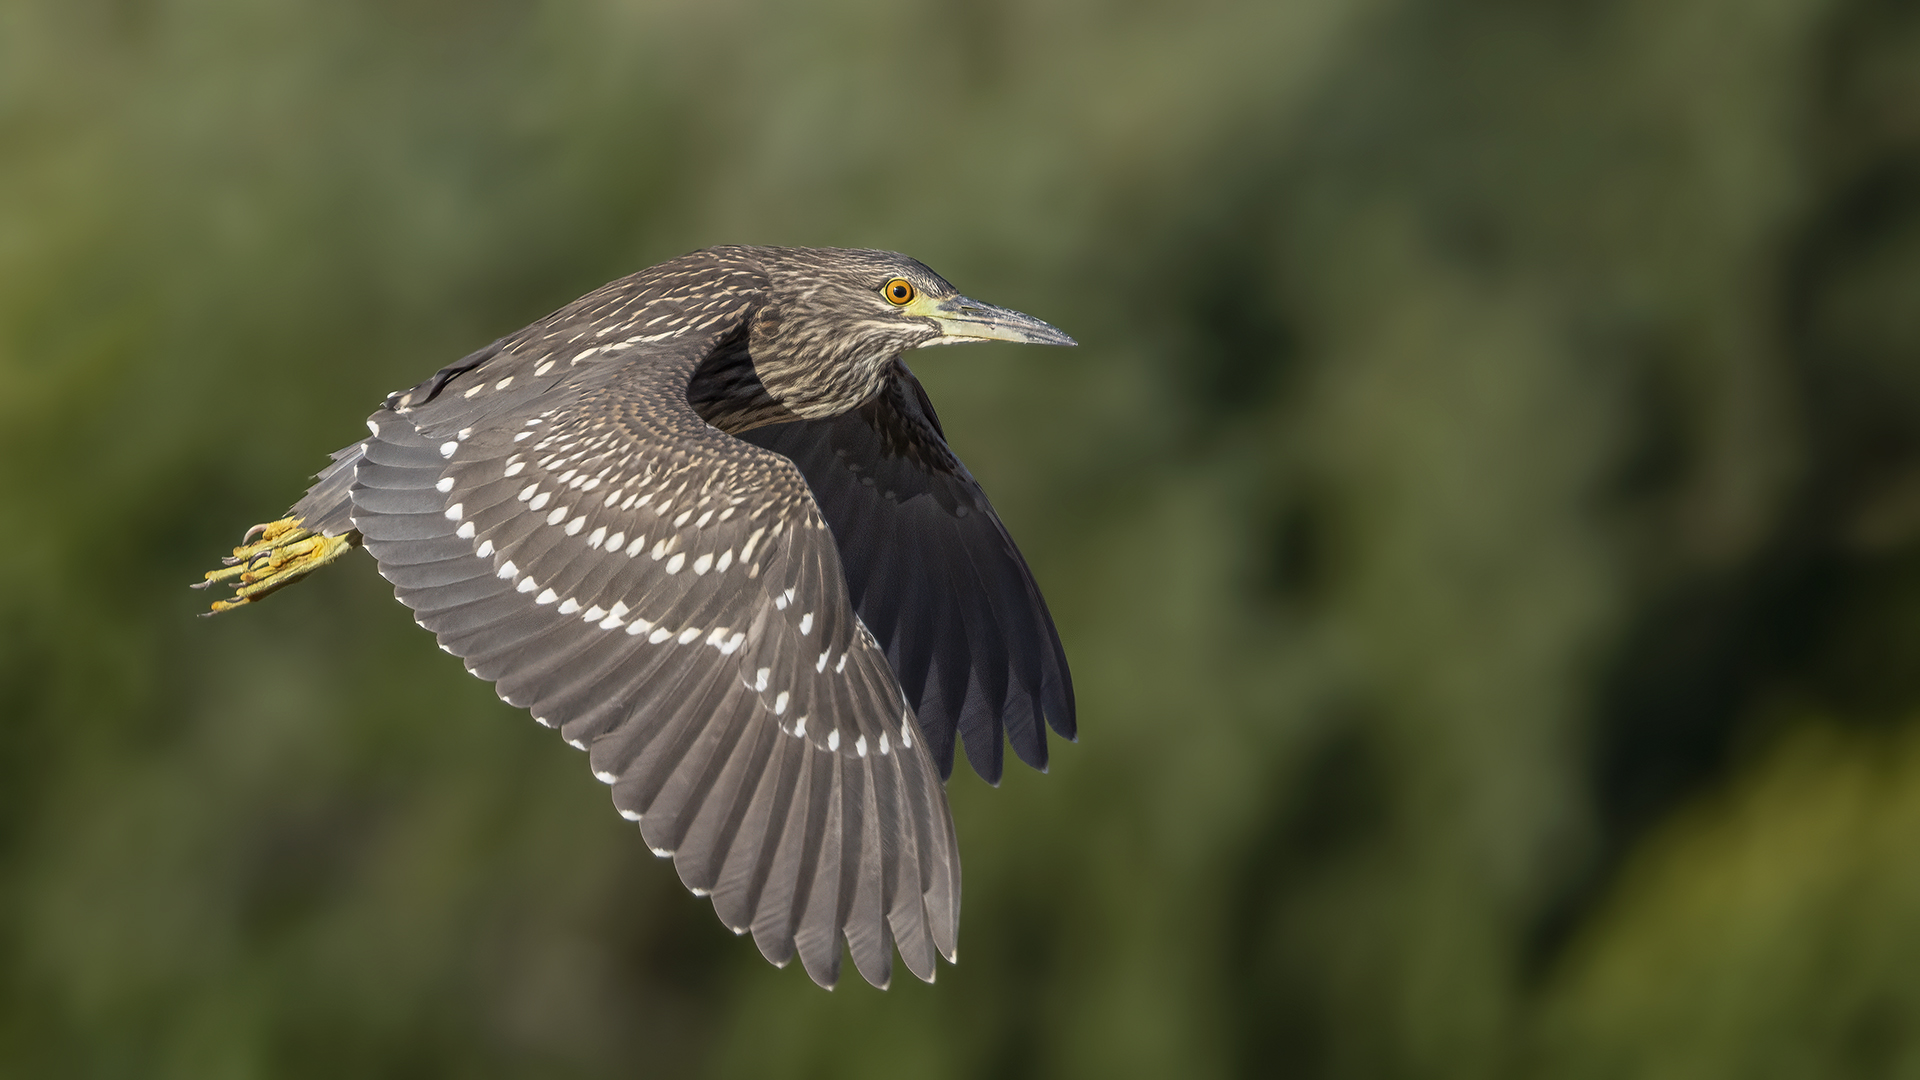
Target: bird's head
{"points": [[833, 319]]}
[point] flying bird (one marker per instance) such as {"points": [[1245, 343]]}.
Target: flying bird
{"points": [[705, 522]]}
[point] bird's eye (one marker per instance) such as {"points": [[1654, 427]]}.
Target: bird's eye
{"points": [[898, 291]]}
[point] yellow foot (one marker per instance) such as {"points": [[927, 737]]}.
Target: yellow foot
{"points": [[283, 554]]}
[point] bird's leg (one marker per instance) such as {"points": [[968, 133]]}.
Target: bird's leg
{"points": [[284, 553]]}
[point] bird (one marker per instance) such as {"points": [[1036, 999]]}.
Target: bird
{"points": [[705, 522]]}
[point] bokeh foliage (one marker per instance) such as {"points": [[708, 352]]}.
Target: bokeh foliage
{"points": [[1483, 515]]}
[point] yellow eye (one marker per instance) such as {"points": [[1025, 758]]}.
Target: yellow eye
{"points": [[898, 291]]}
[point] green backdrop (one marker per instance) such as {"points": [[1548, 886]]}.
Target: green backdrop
{"points": [[1483, 516]]}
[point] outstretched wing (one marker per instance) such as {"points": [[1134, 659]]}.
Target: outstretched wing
{"points": [[934, 575], [671, 600]]}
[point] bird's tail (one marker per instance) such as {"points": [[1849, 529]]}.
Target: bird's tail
{"points": [[316, 531]]}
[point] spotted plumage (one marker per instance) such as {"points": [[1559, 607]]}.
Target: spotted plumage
{"points": [[705, 522]]}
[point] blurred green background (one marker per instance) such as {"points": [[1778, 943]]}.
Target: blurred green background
{"points": [[1483, 515]]}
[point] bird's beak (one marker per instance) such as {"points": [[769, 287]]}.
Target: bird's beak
{"points": [[963, 319]]}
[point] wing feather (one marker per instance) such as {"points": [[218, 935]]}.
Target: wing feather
{"points": [[749, 862], [715, 826], [781, 887], [863, 883], [816, 934]]}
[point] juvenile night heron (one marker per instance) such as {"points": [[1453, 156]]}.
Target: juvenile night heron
{"points": [[705, 522]]}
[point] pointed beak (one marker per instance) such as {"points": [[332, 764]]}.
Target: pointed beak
{"points": [[963, 319]]}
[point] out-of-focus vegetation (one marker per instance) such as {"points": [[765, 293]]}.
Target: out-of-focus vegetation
{"points": [[1483, 515]]}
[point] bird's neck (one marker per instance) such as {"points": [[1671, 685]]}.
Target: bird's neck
{"points": [[727, 392]]}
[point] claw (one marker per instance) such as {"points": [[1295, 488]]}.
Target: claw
{"points": [[284, 553]]}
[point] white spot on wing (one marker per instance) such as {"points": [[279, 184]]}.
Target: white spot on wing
{"points": [[447, 449], [485, 550], [806, 624], [514, 469], [780, 703], [574, 526], [687, 635], [540, 500], [760, 679], [547, 596], [465, 531], [444, 485], [527, 584], [568, 606], [860, 745], [833, 739], [704, 563], [674, 564], [508, 570], [456, 511]]}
